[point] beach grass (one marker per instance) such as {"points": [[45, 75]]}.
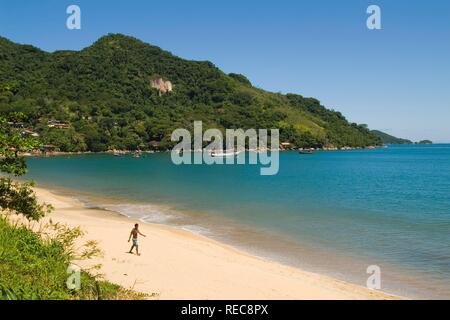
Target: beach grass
{"points": [[33, 265]]}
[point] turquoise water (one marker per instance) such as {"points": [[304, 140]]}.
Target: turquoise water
{"points": [[330, 212]]}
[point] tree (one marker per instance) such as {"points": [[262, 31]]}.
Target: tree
{"points": [[15, 196]]}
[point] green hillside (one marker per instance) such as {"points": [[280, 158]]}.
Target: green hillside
{"points": [[100, 98], [388, 139], [425, 142]]}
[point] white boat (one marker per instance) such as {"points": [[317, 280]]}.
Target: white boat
{"points": [[225, 154]]}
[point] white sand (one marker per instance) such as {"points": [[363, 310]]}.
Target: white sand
{"points": [[178, 264]]}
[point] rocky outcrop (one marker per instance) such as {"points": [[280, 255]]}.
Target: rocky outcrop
{"points": [[161, 85]]}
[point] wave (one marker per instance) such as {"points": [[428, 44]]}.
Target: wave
{"points": [[148, 213], [157, 214]]}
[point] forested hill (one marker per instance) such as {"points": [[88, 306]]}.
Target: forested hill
{"points": [[388, 139], [121, 93]]}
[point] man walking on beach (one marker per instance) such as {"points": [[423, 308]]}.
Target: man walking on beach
{"points": [[134, 233]]}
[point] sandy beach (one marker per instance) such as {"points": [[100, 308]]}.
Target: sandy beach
{"points": [[177, 264]]}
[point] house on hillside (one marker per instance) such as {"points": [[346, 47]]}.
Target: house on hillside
{"points": [[48, 148], [16, 125], [58, 124], [154, 145], [29, 133]]}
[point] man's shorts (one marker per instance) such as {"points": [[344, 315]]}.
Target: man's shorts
{"points": [[135, 242]]}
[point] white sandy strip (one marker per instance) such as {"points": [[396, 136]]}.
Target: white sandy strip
{"points": [[178, 264]]}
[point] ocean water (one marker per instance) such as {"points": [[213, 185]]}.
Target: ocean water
{"points": [[334, 213]]}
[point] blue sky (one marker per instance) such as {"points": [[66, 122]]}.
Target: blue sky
{"points": [[396, 79]]}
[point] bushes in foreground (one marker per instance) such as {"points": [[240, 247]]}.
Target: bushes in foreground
{"points": [[33, 265], [34, 259]]}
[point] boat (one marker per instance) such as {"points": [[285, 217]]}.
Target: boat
{"points": [[306, 151], [224, 154], [119, 153], [137, 154], [179, 152]]}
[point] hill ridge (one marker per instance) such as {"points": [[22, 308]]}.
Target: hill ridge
{"points": [[104, 93]]}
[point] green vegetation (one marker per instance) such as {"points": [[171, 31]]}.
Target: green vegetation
{"points": [[15, 196], [425, 142], [34, 261], [103, 93], [388, 139], [34, 266]]}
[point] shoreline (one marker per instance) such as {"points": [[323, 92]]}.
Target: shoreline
{"points": [[180, 264], [131, 152]]}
